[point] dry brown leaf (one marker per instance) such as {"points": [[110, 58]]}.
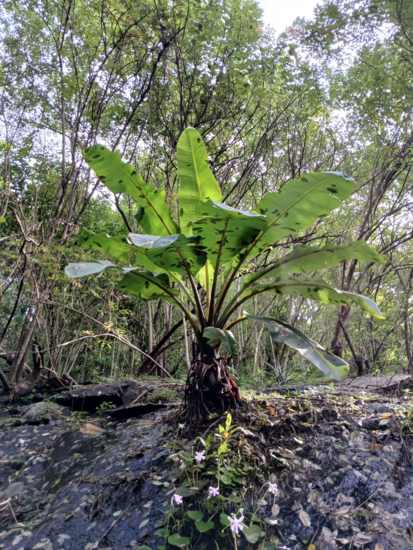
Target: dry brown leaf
{"points": [[311, 547], [378, 546], [305, 518], [275, 510], [91, 429], [343, 511], [144, 522], [384, 415], [374, 447], [361, 539], [272, 410]]}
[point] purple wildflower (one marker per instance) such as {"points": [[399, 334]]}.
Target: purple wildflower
{"points": [[181, 426], [214, 491], [178, 499], [273, 488], [200, 456], [236, 524]]}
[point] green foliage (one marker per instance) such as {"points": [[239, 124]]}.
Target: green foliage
{"points": [[216, 337], [163, 395], [105, 406], [225, 469]]}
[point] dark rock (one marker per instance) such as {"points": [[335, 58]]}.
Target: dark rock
{"points": [[92, 396], [131, 411]]}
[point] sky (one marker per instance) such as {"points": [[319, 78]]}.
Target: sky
{"points": [[280, 14]]}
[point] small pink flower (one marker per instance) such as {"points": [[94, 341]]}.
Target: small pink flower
{"points": [[178, 499], [214, 491], [22, 441], [200, 456], [236, 524], [181, 426], [273, 488]]}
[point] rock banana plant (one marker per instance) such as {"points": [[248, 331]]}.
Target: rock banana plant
{"points": [[211, 247]]}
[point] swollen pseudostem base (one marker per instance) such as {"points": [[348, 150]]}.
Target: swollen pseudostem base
{"points": [[210, 389]]}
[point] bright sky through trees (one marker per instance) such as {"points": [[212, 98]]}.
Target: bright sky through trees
{"points": [[280, 14]]}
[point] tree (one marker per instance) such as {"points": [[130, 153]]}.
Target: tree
{"points": [[214, 244]]}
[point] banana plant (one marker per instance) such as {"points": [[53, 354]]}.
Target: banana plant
{"points": [[195, 265]]}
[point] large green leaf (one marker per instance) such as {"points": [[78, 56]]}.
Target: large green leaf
{"points": [[75, 271], [172, 252], [119, 177], [282, 333], [177, 540], [203, 526], [299, 203], [197, 182], [252, 533], [309, 258], [144, 284], [218, 336], [225, 231], [119, 246], [314, 289]]}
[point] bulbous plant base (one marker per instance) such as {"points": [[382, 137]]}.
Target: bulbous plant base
{"points": [[210, 389]]}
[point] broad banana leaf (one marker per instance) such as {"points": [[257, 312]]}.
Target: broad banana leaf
{"points": [[197, 182], [299, 203], [226, 228], [144, 284], [147, 286], [120, 177], [282, 333], [75, 271], [218, 336], [314, 289], [119, 246], [172, 252], [310, 258]]}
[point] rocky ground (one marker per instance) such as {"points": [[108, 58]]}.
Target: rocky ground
{"points": [[342, 460]]}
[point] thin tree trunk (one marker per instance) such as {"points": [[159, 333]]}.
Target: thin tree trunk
{"points": [[357, 358], [150, 328], [408, 341], [82, 376]]}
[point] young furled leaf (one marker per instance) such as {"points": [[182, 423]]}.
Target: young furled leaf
{"points": [[218, 336]]}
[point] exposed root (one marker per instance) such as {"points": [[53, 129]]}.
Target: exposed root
{"points": [[209, 386]]}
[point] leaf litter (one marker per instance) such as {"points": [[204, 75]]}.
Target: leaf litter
{"points": [[345, 482]]}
